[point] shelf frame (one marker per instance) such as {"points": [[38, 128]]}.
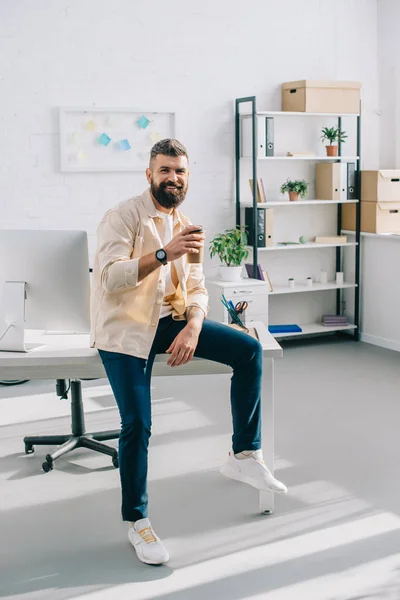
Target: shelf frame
{"points": [[314, 158], [274, 203], [287, 113], [239, 116], [306, 246]]}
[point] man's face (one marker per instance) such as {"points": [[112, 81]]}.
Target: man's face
{"points": [[168, 179]]}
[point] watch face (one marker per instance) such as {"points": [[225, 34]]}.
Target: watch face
{"points": [[161, 254]]}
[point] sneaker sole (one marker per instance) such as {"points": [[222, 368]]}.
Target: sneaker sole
{"points": [[231, 473], [149, 562], [142, 558]]}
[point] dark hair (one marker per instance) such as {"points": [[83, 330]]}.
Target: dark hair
{"points": [[169, 147]]}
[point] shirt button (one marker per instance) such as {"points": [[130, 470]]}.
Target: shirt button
{"points": [[154, 324], [158, 302]]}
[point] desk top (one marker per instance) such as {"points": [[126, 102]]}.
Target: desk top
{"points": [[68, 356]]}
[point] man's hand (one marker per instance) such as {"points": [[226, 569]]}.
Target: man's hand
{"points": [[184, 345], [184, 242]]}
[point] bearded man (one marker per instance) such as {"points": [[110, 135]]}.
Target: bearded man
{"points": [[147, 299]]}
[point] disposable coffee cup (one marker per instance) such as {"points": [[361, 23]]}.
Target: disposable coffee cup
{"points": [[196, 257]]}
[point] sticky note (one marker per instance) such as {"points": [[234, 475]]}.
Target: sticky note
{"points": [[124, 145], [90, 125], [155, 136], [81, 155], [104, 139], [143, 122], [73, 139]]}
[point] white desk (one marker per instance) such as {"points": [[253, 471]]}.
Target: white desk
{"points": [[66, 356]]}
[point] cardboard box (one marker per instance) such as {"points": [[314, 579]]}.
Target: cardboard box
{"points": [[375, 217], [335, 97], [380, 186], [331, 239]]}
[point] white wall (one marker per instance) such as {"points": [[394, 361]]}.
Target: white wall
{"points": [[389, 82], [381, 291], [191, 57]]}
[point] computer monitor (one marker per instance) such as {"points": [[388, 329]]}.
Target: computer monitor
{"points": [[44, 276]]}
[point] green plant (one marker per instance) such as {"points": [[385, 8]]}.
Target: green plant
{"points": [[299, 186], [333, 134], [230, 246]]}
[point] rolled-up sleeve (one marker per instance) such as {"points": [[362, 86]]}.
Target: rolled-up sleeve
{"points": [[115, 243], [197, 294]]}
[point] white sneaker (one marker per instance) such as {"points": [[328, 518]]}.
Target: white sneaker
{"points": [[149, 548], [253, 471]]}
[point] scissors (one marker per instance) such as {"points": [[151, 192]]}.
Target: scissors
{"points": [[241, 306]]}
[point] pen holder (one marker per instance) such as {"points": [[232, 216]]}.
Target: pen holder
{"points": [[241, 316]]}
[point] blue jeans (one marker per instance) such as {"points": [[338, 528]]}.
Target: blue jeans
{"points": [[130, 381]]}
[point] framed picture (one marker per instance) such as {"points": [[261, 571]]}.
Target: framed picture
{"points": [[250, 272], [110, 139], [262, 275]]}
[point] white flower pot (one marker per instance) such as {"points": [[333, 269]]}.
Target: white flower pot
{"points": [[230, 273]]}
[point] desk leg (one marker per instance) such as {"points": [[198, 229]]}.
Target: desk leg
{"points": [[266, 499]]}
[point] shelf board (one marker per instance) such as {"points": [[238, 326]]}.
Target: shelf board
{"points": [[286, 113], [306, 246], [309, 158], [316, 287], [297, 203], [311, 328], [387, 236]]}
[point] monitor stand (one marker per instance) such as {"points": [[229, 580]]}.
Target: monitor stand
{"points": [[12, 323]]}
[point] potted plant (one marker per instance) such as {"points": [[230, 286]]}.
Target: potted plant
{"points": [[333, 134], [231, 248], [295, 188]]}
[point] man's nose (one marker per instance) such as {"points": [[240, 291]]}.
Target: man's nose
{"points": [[173, 176]]}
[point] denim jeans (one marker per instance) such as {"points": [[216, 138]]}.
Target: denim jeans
{"points": [[130, 381]]}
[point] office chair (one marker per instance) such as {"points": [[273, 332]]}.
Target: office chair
{"points": [[78, 438]]}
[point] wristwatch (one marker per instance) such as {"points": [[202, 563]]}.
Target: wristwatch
{"points": [[161, 255]]}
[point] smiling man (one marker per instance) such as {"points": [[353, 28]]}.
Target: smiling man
{"points": [[147, 299]]}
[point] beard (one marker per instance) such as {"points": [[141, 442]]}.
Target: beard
{"points": [[168, 198]]}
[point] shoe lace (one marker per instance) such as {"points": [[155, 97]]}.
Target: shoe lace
{"points": [[147, 535]]}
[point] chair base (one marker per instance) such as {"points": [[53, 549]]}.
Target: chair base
{"points": [[78, 438]]}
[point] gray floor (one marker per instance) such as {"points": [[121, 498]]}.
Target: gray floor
{"points": [[336, 536]]}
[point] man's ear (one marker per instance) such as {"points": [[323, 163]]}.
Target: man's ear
{"points": [[148, 174]]}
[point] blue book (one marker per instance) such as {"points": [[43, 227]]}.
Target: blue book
{"points": [[284, 328]]}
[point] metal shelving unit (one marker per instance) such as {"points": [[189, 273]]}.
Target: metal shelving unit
{"points": [[253, 114]]}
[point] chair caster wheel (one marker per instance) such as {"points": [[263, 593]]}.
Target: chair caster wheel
{"points": [[115, 462], [29, 449], [48, 465]]}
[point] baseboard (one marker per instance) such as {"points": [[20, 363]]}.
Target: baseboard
{"points": [[380, 341]]}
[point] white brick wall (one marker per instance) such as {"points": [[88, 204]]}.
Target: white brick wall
{"points": [[191, 57], [389, 80]]}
